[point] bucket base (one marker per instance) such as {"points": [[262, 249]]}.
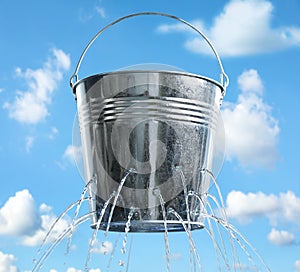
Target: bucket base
{"points": [[150, 226]]}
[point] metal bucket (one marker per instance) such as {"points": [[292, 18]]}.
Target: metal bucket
{"points": [[147, 139]]}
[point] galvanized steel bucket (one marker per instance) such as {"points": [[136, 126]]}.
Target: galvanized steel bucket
{"points": [[147, 140]]}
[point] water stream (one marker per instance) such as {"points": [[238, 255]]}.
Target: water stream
{"points": [[227, 242]]}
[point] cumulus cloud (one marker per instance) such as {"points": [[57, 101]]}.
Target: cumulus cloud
{"points": [[47, 221], [284, 207], [7, 263], [19, 215], [250, 81], [281, 237], [251, 130], [20, 218], [31, 106], [244, 27]]}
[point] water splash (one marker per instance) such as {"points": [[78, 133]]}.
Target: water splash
{"points": [[57, 220], [116, 198], [188, 232], [86, 187], [112, 253], [80, 220], [94, 236]]}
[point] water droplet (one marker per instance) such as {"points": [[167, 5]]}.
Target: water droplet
{"points": [[156, 191], [121, 263]]}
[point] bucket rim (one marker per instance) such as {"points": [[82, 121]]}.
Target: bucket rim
{"points": [[188, 74]]}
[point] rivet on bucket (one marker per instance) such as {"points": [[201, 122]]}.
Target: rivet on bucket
{"points": [[147, 138]]}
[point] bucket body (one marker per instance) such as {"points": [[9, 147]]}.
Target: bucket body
{"points": [[146, 138]]}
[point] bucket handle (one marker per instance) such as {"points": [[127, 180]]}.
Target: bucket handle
{"points": [[224, 80]]}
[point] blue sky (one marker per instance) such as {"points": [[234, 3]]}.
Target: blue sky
{"points": [[259, 44]]}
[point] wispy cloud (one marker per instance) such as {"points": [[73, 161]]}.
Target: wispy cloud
{"points": [[297, 266], [251, 130], [7, 262], [244, 27], [73, 154], [53, 133], [87, 15], [29, 143], [101, 11], [31, 106]]}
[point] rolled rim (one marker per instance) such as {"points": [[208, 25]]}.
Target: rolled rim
{"points": [[150, 72]]}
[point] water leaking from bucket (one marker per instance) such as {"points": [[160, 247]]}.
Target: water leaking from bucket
{"points": [[149, 141], [227, 241]]}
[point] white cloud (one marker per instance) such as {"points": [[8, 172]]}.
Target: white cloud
{"points": [[47, 221], [101, 12], [297, 266], [86, 15], [72, 269], [30, 106], [7, 263], [73, 153], [29, 143], [44, 208], [19, 215], [250, 81], [281, 237], [284, 207], [167, 28], [251, 130], [105, 247], [53, 133], [20, 218], [53, 270], [244, 27]]}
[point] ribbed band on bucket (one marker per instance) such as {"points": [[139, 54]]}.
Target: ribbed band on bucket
{"points": [[158, 108]]}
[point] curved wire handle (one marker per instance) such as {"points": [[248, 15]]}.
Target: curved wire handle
{"points": [[223, 75]]}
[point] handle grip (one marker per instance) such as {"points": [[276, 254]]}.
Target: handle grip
{"points": [[224, 80]]}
